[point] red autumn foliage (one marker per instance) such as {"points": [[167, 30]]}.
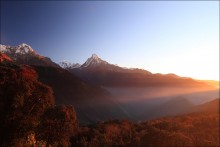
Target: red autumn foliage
{"points": [[29, 117], [4, 57], [28, 73]]}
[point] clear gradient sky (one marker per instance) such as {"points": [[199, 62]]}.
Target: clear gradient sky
{"points": [[180, 37]]}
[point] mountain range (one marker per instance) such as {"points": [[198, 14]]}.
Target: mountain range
{"points": [[24, 54], [30, 116], [100, 72], [101, 91]]}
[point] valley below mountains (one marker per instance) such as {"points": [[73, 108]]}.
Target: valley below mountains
{"points": [[101, 91], [97, 103]]}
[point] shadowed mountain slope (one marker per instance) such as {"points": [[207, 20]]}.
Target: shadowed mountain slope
{"points": [[92, 103], [99, 72]]}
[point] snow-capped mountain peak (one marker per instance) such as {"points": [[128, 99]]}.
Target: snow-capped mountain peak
{"points": [[93, 61], [25, 54], [2, 48], [68, 65], [21, 49], [94, 56], [24, 48]]}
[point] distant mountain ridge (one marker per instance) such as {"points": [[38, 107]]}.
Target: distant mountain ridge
{"points": [[17, 50], [96, 61], [25, 54], [93, 61], [100, 72], [68, 65]]}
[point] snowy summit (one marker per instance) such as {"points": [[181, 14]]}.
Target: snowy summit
{"points": [[68, 65], [21, 49], [24, 49], [93, 61]]}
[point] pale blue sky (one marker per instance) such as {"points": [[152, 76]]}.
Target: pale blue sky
{"points": [[180, 37]]}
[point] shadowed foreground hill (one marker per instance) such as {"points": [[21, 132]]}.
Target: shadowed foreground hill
{"points": [[27, 109]]}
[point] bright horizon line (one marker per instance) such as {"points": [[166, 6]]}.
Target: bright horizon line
{"points": [[157, 36], [126, 66], [142, 68]]}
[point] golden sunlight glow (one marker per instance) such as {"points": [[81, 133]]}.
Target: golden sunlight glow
{"points": [[199, 63]]}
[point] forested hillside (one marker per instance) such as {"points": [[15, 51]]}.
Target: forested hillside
{"points": [[29, 117], [195, 129], [27, 109]]}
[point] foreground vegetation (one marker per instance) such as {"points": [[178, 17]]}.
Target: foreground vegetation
{"points": [[198, 129], [29, 117]]}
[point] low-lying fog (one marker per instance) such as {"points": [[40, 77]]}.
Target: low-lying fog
{"points": [[137, 101], [196, 96]]}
